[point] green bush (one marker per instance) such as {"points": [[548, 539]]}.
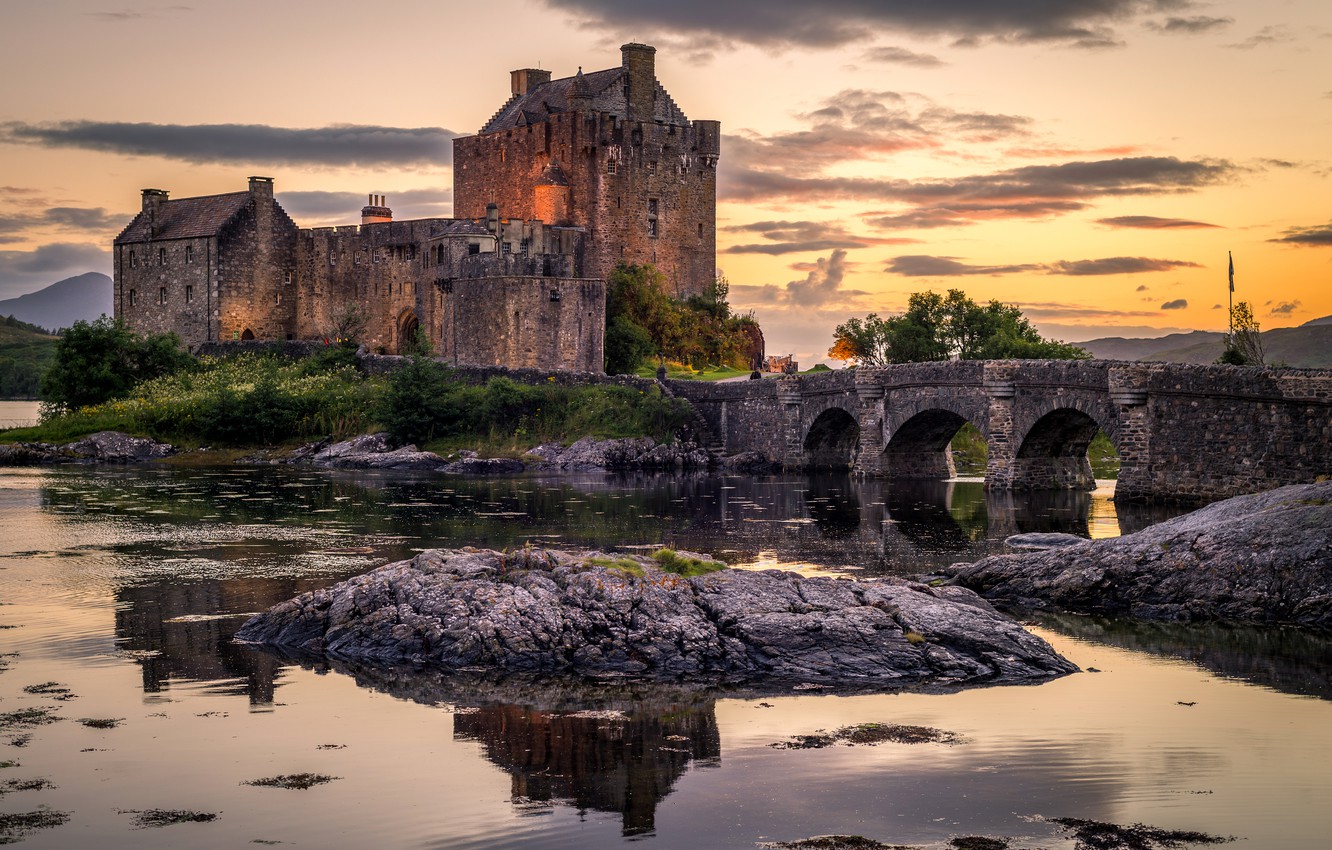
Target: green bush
{"points": [[673, 562], [101, 360]]}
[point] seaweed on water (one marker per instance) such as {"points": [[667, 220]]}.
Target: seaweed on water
{"points": [[19, 825], [27, 718], [833, 842], [149, 818], [54, 690], [1099, 835], [9, 786], [101, 722], [870, 734], [978, 842], [297, 781]]}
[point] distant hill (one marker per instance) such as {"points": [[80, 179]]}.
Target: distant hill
{"points": [[1308, 346], [63, 303], [25, 354]]}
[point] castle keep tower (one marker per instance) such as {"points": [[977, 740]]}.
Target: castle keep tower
{"points": [[608, 152]]}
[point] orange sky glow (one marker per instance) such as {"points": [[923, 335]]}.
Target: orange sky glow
{"points": [[1092, 161]]}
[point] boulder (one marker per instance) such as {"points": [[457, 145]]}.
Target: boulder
{"points": [[102, 447], [1043, 540], [1262, 558], [547, 611], [371, 451]]}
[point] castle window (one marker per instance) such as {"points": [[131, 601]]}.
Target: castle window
{"points": [[332, 258], [161, 256], [134, 260], [286, 276], [356, 258], [189, 253], [610, 166], [277, 299], [652, 166], [652, 206], [189, 293], [374, 258], [506, 248], [161, 295], [133, 297], [473, 248], [525, 247], [700, 230], [652, 228]]}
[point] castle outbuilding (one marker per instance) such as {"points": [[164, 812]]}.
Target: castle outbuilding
{"points": [[588, 170]]}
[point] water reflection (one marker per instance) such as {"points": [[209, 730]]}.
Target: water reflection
{"points": [[1285, 659]]}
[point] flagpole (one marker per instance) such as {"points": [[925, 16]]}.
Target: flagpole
{"points": [[1230, 336]]}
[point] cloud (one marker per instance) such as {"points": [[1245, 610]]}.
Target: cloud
{"points": [[920, 265], [261, 144], [1151, 222], [789, 237], [1063, 310], [1141, 288], [410, 203], [1320, 234], [833, 23], [1117, 265], [22, 272], [1026, 191], [1285, 308], [1190, 26], [822, 286], [966, 214], [1177, 304], [14, 228], [902, 56], [1277, 34], [123, 15]]}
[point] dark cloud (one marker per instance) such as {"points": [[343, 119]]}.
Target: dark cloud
{"points": [[902, 56], [962, 215], [1216, 306], [411, 203], [1142, 287], [789, 237], [1177, 304], [1080, 23], [1061, 310], [260, 144], [920, 265], [14, 227], [1320, 234], [1285, 308], [1117, 265], [1151, 222], [22, 272], [1190, 26]]}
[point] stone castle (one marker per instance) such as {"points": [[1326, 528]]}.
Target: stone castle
{"points": [[569, 177]]}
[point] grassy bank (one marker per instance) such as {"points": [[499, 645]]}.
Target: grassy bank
{"points": [[251, 400]]}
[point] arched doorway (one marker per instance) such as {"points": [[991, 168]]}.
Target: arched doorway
{"points": [[247, 334], [832, 440], [408, 327]]}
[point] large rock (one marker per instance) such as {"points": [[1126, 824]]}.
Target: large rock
{"points": [[550, 611], [102, 447], [629, 453], [368, 451], [1263, 558]]}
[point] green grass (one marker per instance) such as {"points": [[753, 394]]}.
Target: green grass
{"points": [[681, 372], [622, 565], [672, 561]]}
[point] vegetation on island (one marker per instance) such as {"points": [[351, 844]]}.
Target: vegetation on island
{"points": [[106, 377], [943, 327], [645, 326], [1244, 345]]}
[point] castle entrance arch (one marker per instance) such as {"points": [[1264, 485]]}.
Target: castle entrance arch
{"points": [[247, 334], [832, 440], [408, 325]]}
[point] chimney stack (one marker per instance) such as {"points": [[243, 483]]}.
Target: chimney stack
{"points": [[261, 187], [376, 211], [640, 64], [524, 80]]}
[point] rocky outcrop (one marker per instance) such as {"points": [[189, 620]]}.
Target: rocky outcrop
{"points": [[368, 451], [1263, 558], [631, 453], [102, 447], [550, 611]]}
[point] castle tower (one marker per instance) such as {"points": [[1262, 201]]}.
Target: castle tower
{"points": [[609, 152]]}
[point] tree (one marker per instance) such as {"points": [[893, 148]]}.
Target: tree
{"points": [[104, 359], [1245, 346], [935, 327]]}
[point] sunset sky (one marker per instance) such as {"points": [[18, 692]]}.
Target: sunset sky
{"points": [[1091, 161]]}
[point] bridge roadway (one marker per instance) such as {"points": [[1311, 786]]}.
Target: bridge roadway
{"points": [[1184, 433]]}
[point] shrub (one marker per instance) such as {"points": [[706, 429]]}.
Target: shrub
{"points": [[673, 562], [101, 360]]}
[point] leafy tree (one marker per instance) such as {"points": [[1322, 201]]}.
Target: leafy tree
{"points": [[936, 327], [103, 359], [1245, 346]]}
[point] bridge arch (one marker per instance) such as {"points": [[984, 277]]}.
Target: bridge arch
{"points": [[831, 440], [917, 436], [1052, 442]]}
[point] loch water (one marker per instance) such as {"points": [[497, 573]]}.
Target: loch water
{"points": [[123, 587]]}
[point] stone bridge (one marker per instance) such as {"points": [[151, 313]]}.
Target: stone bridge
{"points": [[1184, 433]]}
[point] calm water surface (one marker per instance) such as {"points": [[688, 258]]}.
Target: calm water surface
{"points": [[19, 414], [125, 586]]}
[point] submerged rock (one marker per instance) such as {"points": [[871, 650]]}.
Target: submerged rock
{"points": [[368, 451], [1262, 558], [1043, 540], [592, 614], [102, 447], [628, 453]]}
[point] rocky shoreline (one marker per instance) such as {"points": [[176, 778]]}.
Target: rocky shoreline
{"points": [[102, 447], [591, 614], [1264, 558]]}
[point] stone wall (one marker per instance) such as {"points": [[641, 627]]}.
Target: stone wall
{"points": [[159, 290], [256, 271], [522, 322]]}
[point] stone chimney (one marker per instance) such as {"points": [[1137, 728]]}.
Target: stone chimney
{"points": [[376, 211], [493, 219], [152, 208], [261, 187], [524, 80], [640, 64]]}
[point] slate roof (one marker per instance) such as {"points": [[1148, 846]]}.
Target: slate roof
{"points": [[553, 97], [186, 218]]}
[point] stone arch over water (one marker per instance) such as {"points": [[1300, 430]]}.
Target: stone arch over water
{"points": [[832, 440], [1052, 453], [919, 446]]}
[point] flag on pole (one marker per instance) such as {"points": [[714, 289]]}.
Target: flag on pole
{"points": [[1232, 271]]}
